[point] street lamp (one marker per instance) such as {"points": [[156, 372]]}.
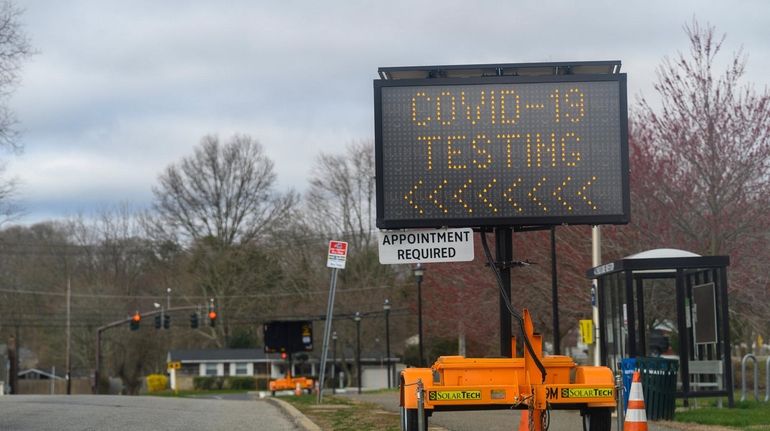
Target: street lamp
{"points": [[334, 362], [386, 308], [357, 318], [418, 273]]}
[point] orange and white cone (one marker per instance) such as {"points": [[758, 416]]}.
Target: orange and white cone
{"points": [[636, 417], [524, 421], [298, 389]]}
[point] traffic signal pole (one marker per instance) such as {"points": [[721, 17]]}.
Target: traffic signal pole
{"points": [[99, 330]]}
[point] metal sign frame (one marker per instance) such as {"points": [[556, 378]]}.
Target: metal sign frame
{"points": [[620, 218]]}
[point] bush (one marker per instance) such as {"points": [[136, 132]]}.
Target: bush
{"points": [[263, 383], [241, 383], [207, 383], [156, 382]]}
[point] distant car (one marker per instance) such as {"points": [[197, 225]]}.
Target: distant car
{"points": [[657, 342]]}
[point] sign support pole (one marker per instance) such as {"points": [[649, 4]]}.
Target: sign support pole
{"points": [[327, 332], [504, 256], [555, 295]]}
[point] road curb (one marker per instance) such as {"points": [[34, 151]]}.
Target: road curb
{"points": [[300, 420]]}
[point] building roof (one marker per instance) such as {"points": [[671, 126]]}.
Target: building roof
{"points": [[44, 374], [659, 261], [662, 253], [230, 355]]}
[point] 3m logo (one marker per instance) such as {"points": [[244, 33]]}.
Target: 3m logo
{"points": [[453, 395], [551, 393], [587, 393]]}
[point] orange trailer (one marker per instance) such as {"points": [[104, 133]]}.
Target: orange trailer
{"points": [[457, 383], [290, 383]]}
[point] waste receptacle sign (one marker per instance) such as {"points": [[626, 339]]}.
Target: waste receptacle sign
{"points": [[338, 252]]}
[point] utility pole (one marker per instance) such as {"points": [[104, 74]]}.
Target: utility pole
{"points": [[596, 260], [69, 336], [357, 319], [13, 360]]}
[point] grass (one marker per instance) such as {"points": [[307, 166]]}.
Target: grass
{"points": [[747, 415], [342, 414]]}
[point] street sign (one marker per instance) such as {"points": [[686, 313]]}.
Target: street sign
{"points": [[587, 331], [338, 252], [175, 365], [426, 246], [501, 151]]}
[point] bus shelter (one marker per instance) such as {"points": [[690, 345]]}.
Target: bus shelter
{"points": [[670, 303]]}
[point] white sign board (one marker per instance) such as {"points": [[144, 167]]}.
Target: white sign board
{"points": [[426, 246], [338, 252]]}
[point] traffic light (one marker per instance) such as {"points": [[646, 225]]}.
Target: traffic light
{"points": [[166, 321], [212, 318], [135, 319], [194, 321], [157, 321]]}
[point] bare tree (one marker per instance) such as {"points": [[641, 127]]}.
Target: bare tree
{"points": [[222, 192], [341, 194], [709, 146], [219, 203], [14, 49], [700, 177]]}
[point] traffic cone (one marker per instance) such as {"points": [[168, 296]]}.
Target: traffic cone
{"points": [[524, 422], [636, 417], [297, 390]]}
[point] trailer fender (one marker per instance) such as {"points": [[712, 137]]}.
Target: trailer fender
{"points": [[408, 385], [585, 374], [596, 376]]}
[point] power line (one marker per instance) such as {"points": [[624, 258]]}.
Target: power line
{"points": [[259, 295]]}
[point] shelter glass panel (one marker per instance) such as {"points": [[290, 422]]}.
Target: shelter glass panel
{"points": [[615, 317]]}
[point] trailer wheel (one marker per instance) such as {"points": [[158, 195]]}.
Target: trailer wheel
{"points": [[598, 419], [410, 420]]}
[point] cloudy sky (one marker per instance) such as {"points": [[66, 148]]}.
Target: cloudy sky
{"points": [[120, 89]]}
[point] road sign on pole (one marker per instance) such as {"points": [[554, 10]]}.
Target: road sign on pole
{"points": [[426, 246], [338, 252]]}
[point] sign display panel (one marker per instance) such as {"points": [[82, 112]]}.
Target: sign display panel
{"points": [[288, 336], [501, 151]]}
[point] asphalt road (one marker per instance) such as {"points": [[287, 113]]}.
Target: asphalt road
{"points": [[491, 420], [123, 413]]}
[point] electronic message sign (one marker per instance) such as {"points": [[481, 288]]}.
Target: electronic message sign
{"points": [[288, 336], [501, 151]]}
